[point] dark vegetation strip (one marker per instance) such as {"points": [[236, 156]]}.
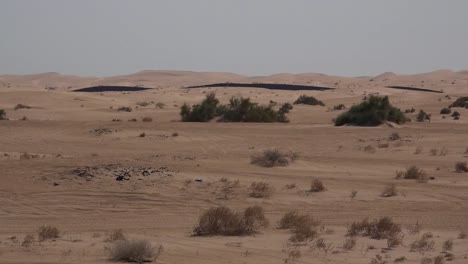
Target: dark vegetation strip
{"points": [[271, 86], [414, 89], [98, 89]]}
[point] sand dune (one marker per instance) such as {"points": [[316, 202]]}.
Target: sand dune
{"points": [[61, 166]]}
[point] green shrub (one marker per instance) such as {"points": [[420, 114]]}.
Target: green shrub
{"points": [[203, 112], [2, 114], [372, 112], [460, 102], [445, 111], [239, 109], [308, 100]]}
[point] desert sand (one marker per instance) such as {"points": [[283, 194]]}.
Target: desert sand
{"points": [[59, 166]]}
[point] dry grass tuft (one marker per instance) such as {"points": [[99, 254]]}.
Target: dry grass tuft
{"points": [[317, 186], [381, 228], [394, 136], [415, 229], [389, 191], [138, 251], [28, 241], [303, 227], [461, 167], [223, 221], [423, 244], [260, 190], [349, 244], [124, 109], [412, 173], [462, 235], [46, 232], [369, 149], [273, 158], [116, 235], [147, 119], [447, 245]]}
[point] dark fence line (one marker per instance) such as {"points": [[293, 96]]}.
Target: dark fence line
{"points": [[271, 86]]}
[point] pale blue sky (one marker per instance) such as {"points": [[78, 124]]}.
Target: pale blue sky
{"points": [[252, 37]]}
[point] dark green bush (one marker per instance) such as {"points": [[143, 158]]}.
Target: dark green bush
{"points": [[423, 116], [203, 112], [308, 100], [460, 102], [445, 111], [2, 114], [239, 109], [373, 111]]}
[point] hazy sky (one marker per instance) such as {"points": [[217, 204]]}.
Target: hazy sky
{"points": [[253, 37]]}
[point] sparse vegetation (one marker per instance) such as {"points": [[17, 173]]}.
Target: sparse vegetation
{"points": [[462, 235], [445, 111], [339, 107], [138, 251], [415, 228], [389, 191], [369, 149], [447, 245], [395, 240], [394, 136], [21, 106], [423, 244], [423, 116], [260, 190], [160, 105], [223, 221], [175, 134], [461, 167], [47, 232], [273, 158], [317, 186], [2, 114], [203, 112], [116, 235], [381, 228], [143, 134], [147, 119], [456, 115], [412, 173], [124, 109], [308, 100], [303, 227], [28, 241], [460, 102], [373, 111], [349, 243]]}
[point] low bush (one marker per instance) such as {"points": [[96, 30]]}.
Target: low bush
{"points": [[116, 235], [349, 244], [273, 158], [260, 190], [303, 227], [445, 111], [455, 114], [389, 191], [147, 119], [308, 100], [339, 107], [461, 167], [2, 114], [239, 109], [124, 109], [460, 102], [374, 111], [447, 245], [21, 106], [223, 221], [382, 228], [317, 186], [423, 116], [47, 232], [394, 136], [138, 251], [412, 173], [423, 244]]}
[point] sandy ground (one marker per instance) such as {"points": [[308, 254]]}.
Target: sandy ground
{"points": [[67, 132]]}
